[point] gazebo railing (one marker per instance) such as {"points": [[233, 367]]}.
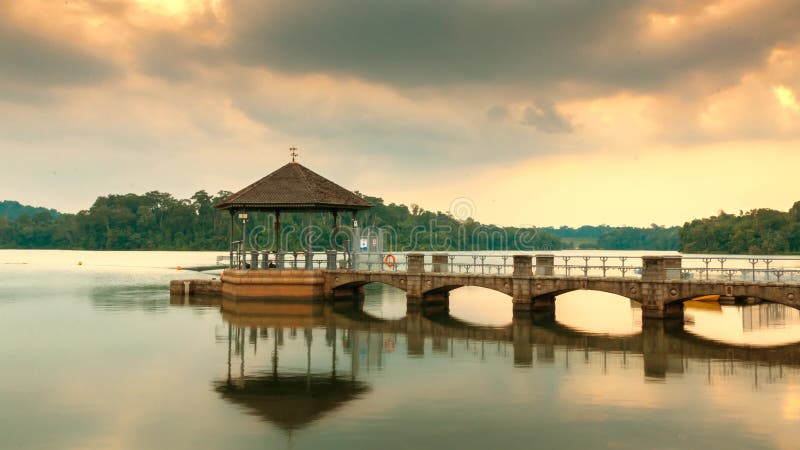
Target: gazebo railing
{"points": [[268, 259]]}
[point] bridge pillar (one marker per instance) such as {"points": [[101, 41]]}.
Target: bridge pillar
{"points": [[654, 268], [655, 291], [523, 265], [545, 265], [416, 263], [440, 264], [658, 310], [521, 283], [544, 305], [672, 267], [415, 268]]}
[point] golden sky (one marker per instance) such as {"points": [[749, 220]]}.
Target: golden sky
{"points": [[540, 113]]}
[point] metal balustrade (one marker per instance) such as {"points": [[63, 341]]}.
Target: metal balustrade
{"points": [[750, 268]]}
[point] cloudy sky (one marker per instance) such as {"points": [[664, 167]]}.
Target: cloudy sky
{"points": [[539, 112]]}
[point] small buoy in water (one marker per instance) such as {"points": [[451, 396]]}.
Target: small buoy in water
{"points": [[179, 268], [80, 263]]}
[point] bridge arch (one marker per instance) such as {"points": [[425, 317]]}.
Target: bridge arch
{"points": [[362, 283], [777, 294], [348, 284], [549, 289], [438, 285]]}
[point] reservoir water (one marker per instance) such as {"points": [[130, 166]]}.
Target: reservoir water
{"points": [[96, 355]]}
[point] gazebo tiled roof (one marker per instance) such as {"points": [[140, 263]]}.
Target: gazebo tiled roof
{"points": [[294, 187]]}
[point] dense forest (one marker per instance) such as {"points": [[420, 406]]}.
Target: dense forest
{"points": [[158, 221], [618, 238], [12, 210], [760, 231]]}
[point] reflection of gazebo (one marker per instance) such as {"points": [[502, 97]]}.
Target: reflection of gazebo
{"points": [[289, 398], [292, 188], [291, 401]]}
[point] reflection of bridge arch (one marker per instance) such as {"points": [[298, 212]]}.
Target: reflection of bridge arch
{"points": [[657, 342]]}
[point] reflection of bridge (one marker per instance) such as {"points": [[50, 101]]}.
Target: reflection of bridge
{"points": [[659, 342], [292, 397], [661, 289]]}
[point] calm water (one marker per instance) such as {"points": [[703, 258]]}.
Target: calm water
{"points": [[96, 356]]}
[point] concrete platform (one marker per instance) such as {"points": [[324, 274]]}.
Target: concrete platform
{"points": [[195, 287], [274, 285]]}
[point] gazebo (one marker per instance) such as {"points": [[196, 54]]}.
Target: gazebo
{"points": [[292, 188]]}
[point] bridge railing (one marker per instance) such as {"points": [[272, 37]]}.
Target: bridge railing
{"points": [[264, 259], [687, 267], [742, 268]]}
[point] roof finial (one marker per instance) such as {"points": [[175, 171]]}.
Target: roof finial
{"points": [[293, 152]]}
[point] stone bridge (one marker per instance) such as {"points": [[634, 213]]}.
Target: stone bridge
{"points": [[660, 290]]}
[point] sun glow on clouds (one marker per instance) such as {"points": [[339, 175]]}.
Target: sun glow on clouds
{"points": [[663, 23], [181, 9], [786, 98], [168, 7]]}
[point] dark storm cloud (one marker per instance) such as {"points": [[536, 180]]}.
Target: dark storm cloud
{"points": [[30, 58], [546, 118], [430, 43], [174, 57]]}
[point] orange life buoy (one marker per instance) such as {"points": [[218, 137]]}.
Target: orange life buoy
{"points": [[390, 261]]}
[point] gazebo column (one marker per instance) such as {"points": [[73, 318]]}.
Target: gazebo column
{"points": [[278, 251], [335, 229], [230, 240], [243, 252], [309, 255], [277, 231], [332, 254], [354, 245]]}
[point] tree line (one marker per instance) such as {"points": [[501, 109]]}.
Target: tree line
{"points": [[606, 237], [159, 221], [759, 231]]}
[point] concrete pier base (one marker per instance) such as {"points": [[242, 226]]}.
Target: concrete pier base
{"points": [[195, 287], [544, 306], [274, 284], [429, 303], [347, 294], [671, 311]]}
